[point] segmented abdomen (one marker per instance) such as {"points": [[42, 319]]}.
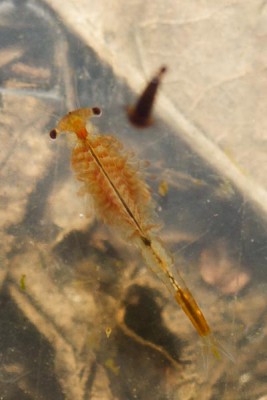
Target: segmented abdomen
{"points": [[121, 198]]}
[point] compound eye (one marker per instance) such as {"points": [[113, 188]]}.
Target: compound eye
{"points": [[97, 111], [53, 134]]}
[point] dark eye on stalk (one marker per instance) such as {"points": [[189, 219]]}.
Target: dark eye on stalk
{"points": [[97, 111], [53, 134]]}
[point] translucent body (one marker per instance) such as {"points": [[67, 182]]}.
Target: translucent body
{"points": [[122, 200]]}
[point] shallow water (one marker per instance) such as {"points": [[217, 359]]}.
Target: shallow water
{"points": [[82, 317]]}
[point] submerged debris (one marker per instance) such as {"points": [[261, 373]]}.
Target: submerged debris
{"points": [[140, 114]]}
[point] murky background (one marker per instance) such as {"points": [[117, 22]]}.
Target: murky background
{"points": [[81, 315]]}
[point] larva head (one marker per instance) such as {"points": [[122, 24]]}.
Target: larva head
{"points": [[75, 121]]}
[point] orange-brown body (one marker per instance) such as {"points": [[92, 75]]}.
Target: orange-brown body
{"points": [[122, 200], [111, 180]]}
